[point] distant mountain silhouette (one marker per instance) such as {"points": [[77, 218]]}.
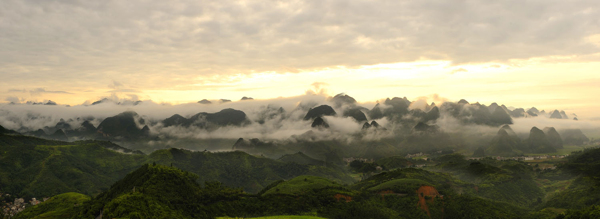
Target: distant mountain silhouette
{"points": [[517, 113], [423, 127], [125, 102], [204, 101], [7, 131], [356, 113], [533, 111], [376, 112], [554, 138], [323, 110], [301, 158], [122, 125], [563, 114], [176, 120], [318, 123], [87, 128], [252, 144], [574, 137], [555, 115], [59, 135], [538, 142], [343, 99], [502, 144], [500, 117], [222, 118]]}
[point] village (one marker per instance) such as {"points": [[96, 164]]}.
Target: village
{"points": [[10, 209]]}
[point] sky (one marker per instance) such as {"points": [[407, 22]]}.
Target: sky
{"points": [[541, 53]]}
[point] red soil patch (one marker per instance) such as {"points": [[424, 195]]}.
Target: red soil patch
{"points": [[345, 197], [427, 194]]}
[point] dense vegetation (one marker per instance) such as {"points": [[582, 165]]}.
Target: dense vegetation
{"points": [[176, 183], [34, 167]]}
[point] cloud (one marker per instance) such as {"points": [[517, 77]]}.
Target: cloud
{"points": [[319, 88], [13, 99], [38, 91], [458, 70], [60, 41]]}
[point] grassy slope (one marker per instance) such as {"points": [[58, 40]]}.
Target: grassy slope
{"points": [[47, 170], [301, 184], [60, 206]]}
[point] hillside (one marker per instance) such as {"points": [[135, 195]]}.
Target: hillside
{"points": [[32, 167], [239, 169], [65, 205]]}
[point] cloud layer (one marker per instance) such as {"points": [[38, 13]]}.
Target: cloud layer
{"points": [[88, 40]]}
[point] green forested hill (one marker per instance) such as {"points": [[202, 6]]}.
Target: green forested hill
{"points": [[176, 183], [33, 167], [239, 169], [65, 205], [45, 170]]}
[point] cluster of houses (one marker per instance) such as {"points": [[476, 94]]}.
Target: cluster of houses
{"points": [[10, 209], [349, 160], [414, 155]]}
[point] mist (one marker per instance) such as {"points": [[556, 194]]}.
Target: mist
{"points": [[267, 122]]}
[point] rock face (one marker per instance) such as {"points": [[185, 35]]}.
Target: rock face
{"points": [[319, 123], [554, 138], [538, 142], [247, 98], [502, 144], [463, 101], [574, 137], [323, 110]]}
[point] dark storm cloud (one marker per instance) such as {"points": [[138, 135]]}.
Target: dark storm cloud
{"points": [[90, 40]]}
